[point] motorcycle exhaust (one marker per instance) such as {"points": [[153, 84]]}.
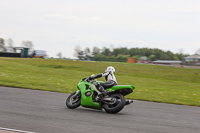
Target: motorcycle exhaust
{"points": [[128, 102]]}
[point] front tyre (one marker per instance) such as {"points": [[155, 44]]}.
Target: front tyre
{"points": [[117, 105], [73, 101]]}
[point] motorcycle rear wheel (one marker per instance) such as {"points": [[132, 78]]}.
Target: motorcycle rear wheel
{"points": [[117, 106], [73, 102]]}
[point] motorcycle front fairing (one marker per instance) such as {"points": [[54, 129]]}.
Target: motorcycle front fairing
{"points": [[87, 92]]}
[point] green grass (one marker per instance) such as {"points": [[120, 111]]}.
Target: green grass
{"points": [[153, 83]]}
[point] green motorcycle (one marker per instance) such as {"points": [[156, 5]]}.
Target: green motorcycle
{"points": [[88, 96]]}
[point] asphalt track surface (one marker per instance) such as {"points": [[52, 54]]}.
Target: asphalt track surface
{"points": [[45, 112]]}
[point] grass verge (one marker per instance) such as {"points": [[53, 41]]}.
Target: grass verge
{"points": [[153, 83]]}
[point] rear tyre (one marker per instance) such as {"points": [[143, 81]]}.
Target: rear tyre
{"points": [[116, 106], [73, 101]]}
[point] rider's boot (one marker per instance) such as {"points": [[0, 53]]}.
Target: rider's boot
{"points": [[100, 96], [103, 91]]}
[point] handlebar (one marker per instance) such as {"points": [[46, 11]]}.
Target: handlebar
{"points": [[90, 81]]}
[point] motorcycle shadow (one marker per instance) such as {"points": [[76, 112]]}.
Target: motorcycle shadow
{"points": [[94, 111]]}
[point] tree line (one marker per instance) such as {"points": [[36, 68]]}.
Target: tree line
{"points": [[121, 54], [7, 45]]}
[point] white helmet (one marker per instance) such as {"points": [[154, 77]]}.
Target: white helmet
{"points": [[110, 68]]}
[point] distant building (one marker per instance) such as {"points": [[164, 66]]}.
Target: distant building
{"points": [[192, 60], [167, 62], [130, 60], [143, 59], [18, 52]]}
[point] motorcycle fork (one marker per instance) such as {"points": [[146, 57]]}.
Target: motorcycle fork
{"points": [[78, 93]]}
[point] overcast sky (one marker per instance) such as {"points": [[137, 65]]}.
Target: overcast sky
{"points": [[60, 25]]}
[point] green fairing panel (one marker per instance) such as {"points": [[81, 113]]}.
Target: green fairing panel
{"points": [[86, 101], [123, 89]]}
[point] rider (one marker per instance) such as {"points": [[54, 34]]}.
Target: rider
{"points": [[110, 80]]}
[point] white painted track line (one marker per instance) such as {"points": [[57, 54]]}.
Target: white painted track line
{"points": [[14, 130]]}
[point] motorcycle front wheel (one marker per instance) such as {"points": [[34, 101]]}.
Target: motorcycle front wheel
{"points": [[117, 105], [73, 101]]}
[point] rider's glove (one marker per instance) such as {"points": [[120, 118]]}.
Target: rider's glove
{"points": [[91, 78]]}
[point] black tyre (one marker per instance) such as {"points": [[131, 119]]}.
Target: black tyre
{"points": [[116, 106], [73, 101]]}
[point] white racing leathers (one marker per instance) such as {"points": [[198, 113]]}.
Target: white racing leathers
{"points": [[110, 80]]}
